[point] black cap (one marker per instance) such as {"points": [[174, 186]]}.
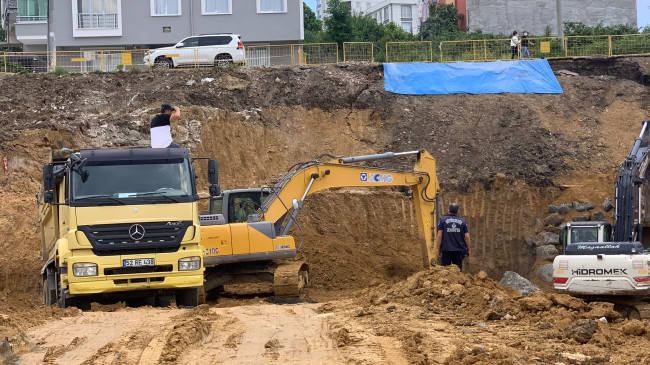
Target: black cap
{"points": [[166, 107]]}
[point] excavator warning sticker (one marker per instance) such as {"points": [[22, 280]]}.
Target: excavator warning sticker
{"points": [[385, 178]]}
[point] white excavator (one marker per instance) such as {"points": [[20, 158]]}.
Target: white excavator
{"points": [[612, 262]]}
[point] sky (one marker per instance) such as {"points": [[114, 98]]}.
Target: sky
{"points": [[642, 12], [312, 4], [642, 9]]}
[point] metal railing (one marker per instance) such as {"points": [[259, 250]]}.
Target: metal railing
{"points": [[31, 19], [545, 47], [324, 53], [358, 51], [409, 52], [96, 20]]}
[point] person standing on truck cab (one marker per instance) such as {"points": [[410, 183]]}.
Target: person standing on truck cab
{"points": [[161, 135], [452, 240]]}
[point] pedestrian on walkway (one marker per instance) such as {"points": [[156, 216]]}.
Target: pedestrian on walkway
{"points": [[514, 42], [524, 45]]}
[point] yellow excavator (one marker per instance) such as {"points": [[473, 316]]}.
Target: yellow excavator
{"points": [[247, 231]]}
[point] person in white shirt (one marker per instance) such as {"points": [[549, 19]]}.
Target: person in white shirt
{"points": [[514, 42], [161, 135]]}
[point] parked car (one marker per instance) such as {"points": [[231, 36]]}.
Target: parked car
{"points": [[202, 50]]}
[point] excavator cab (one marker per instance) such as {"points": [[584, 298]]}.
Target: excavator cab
{"points": [[239, 203], [585, 232]]}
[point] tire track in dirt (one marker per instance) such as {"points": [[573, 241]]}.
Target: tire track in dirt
{"points": [[292, 334], [289, 334]]}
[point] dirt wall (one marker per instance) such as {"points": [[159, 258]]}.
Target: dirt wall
{"points": [[505, 158]]}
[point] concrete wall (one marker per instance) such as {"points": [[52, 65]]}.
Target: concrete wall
{"points": [[139, 28], [505, 16]]}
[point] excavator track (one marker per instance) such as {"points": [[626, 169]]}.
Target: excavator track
{"points": [[637, 309], [289, 279]]}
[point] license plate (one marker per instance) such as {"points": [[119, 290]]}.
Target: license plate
{"points": [[138, 262]]}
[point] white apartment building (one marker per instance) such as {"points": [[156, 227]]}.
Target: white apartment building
{"points": [[358, 7], [401, 12]]}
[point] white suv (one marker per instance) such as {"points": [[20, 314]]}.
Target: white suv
{"points": [[206, 49]]}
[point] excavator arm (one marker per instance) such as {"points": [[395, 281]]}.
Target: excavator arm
{"points": [[288, 195], [629, 189]]}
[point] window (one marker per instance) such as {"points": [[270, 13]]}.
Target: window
{"points": [[216, 7], [214, 41], [165, 7], [406, 12], [191, 42], [386, 18], [407, 26], [32, 11], [96, 14], [271, 6]]}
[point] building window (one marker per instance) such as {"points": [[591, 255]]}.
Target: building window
{"points": [[32, 11], [407, 26], [271, 6], [165, 7], [406, 12], [386, 18], [97, 14], [216, 7]]}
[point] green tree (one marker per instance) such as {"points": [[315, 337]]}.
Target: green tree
{"points": [[338, 24], [313, 27], [443, 21], [578, 28]]}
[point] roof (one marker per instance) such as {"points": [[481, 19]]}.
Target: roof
{"points": [[135, 154]]}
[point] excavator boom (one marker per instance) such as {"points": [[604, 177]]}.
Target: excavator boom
{"points": [[287, 197], [244, 246]]}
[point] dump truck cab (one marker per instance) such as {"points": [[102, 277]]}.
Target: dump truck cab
{"points": [[120, 222]]}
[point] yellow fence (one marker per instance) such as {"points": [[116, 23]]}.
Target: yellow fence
{"points": [[409, 52], [358, 51], [545, 47], [325, 53]]}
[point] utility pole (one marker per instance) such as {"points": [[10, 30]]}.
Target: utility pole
{"points": [[560, 25], [51, 44]]}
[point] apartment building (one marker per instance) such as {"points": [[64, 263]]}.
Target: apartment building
{"points": [[126, 24], [357, 7], [401, 12]]}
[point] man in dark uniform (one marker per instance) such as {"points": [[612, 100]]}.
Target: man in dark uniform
{"points": [[452, 240], [161, 135]]}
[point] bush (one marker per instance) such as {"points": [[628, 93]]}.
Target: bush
{"points": [[60, 71]]}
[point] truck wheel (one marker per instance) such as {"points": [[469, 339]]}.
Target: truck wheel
{"points": [[163, 63], [223, 60], [164, 300], [187, 297], [49, 296]]}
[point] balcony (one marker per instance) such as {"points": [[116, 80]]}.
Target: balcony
{"points": [[97, 21], [31, 19]]}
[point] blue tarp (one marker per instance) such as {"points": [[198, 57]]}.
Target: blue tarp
{"points": [[530, 76]]}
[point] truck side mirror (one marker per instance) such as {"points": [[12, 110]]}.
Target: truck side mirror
{"points": [[213, 172], [215, 190], [48, 177]]}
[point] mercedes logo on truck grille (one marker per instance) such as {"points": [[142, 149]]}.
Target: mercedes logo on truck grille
{"points": [[136, 232]]}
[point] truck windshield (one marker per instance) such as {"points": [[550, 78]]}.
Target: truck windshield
{"points": [[132, 182], [584, 234]]}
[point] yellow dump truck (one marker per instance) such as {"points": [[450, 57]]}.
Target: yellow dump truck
{"points": [[120, 223]]}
